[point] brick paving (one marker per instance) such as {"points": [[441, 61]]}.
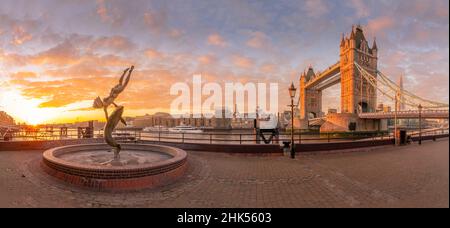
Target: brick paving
{"points": [[408, 176]]}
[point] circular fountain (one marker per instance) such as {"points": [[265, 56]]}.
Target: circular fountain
{"points": [[132, 166], [139, 165]]}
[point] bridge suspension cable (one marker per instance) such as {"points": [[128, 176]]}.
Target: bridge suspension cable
{"points": [[407, 93], [408, 98]]}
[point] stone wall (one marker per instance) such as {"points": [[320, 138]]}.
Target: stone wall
{"points": [[44, 145], [339, 122]]}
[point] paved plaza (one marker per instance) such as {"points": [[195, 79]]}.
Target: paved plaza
{"points": [[408, 176]]}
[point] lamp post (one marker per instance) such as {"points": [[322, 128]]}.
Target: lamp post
{"points": [[395, 119], [420, 124], [292, 90]]}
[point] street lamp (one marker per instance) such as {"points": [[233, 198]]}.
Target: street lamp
{"points": [[420, 124], [292, 90], [395, 118]]}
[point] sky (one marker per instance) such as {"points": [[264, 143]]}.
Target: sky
{"points": [[56, 56]]}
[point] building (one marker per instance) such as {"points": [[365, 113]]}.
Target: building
{"points": [[332, 110], [6, 119], [242, 122], [167, 120], [401, 103], [383, 108]]}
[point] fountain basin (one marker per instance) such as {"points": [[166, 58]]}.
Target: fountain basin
{"points": [[140, 165]]}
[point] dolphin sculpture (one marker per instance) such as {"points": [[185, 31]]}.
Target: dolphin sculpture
{"points": [[116, 116], [112, 122]]}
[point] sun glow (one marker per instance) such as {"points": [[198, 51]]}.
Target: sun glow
{"points": [[24, 109]]}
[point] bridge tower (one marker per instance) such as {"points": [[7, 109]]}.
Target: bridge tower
{"points": [[310, 98], [357, 95]]}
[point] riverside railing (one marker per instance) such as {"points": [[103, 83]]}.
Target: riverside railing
{"points": [[136, 134], [430, 132], [70, 133], [251, 138]]}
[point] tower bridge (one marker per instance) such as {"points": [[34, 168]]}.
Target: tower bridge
{"points": [[361, 81]]}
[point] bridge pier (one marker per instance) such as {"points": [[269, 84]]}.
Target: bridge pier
{"points": [[346, 122], [301, 124]]}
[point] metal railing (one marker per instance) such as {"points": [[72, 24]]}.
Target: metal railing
{"points": [[431, 132], [406, 114], [251, 138], [306, 137], [57, 134]]}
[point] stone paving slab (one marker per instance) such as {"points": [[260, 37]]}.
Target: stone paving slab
{"points": [[407, 176]]}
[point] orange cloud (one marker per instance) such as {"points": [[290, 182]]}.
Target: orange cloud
{"points": [[242, 61], [79, 71], [153, 54], [20, 36], [65, 54], [268, 68], [12, 59], [150, 86], [62, 54], [379, 25], [156, 22], [102, 11], [206, 59], [108, 13], [216, 40], [23, 75]]}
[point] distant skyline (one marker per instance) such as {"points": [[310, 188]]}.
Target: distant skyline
{"points": [[57, 56]]}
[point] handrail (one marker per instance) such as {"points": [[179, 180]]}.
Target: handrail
{"points": [[219, 137]]}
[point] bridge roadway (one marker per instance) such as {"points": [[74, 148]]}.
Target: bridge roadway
{"points": [[414, 114], [324, 76]]}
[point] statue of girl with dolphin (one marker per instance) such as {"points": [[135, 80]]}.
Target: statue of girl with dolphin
{"points": [[116, 115]]}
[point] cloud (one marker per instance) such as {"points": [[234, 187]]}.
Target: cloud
{"points": [[102, 11], [67, 54], [85, 82], [62, 54], [216, 40], [153, 54], [360, 7], [13, 59], [421, 68], [268, 68], [18, 31], [380, 25], [206, 59], [83, 70], [113, 43], [20, 36], [156, 21], [242, 61], [77, 50], [316, 8], [258, 40], [175, 33], [23, 75], [109, 12]]}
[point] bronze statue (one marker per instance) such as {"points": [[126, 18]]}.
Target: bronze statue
{"points": [[116, 115]]}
